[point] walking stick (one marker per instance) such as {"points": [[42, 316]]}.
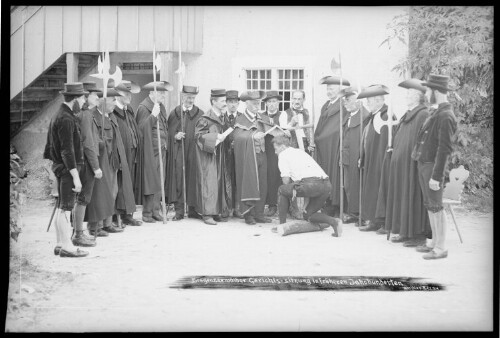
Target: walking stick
{"points": [[53, 212], [157, 67], [180, 72]]}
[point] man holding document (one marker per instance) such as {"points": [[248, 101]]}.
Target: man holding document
{"points": [[213, 188]]}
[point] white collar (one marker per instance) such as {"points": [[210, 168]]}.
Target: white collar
{"points": [[67, 104], [354, 113], [184, 108], [119, 105], [333, 101]]}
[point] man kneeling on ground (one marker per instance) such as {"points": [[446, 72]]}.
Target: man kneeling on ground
{"points": [[302, 177]]}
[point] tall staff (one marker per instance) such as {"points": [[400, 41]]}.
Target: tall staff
{"points": [[103, 73], [157, 67], [180, 73], [358, 84]]}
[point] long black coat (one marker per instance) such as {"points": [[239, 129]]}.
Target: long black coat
{"points": [[405, 213], [327, 141], [174, 163], [372, 158], [273, 171], [350, 157]]}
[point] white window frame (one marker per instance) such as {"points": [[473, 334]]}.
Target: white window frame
{"points": [[241, 64]]}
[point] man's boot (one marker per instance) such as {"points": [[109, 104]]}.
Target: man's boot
{"points": [[129, 220], [80, 239]]}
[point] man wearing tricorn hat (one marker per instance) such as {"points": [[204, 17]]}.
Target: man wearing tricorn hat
{"points": [[181, 125], [101, 207], [351, 150], [233, 101], [251, 160], [148, 166], [272, 100], [432, 150], [405, 213], [327, 139], [213, 189], [129, 131], [64, 149]]}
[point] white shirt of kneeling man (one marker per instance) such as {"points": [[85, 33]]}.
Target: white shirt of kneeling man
{"points": [[297, 164]]}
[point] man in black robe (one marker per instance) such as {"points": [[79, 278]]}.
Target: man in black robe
{"points": [[233, 102], [181, 124], [372, 156], [327, 140], [353, 124], [301, 123], [272, 101], [405, 213], [251, 160], [149, 154], [129, 131], [213, 188]]}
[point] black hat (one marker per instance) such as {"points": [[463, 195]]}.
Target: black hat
{"points": [[73, 89], [110, 92], [348, 91], [373, 90], [335, 80], [218, 92], [190, 90], [129, 86], [252, 95], [272, 94], [413, 84], [161, 86], [90, 86], [439, 82], [232, 95]]}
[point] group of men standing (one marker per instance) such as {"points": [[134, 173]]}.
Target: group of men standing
{"points": [[227, 163]]}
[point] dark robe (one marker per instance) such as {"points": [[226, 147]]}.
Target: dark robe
{"points": [[129, 132], [174, 163], [213, 188], [273, 171], [372, 158], [102, 203], [405, 212], [327, 141], [125, 198], [148, 153], [350, 157], [231, 120], [230, 158], [248, 180]]}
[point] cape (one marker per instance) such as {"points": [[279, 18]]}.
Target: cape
{"points": [[405, 213], [350, 157], [372, 158], [174, 192], [247, 179], [213, 184], [327, 141], [125, 198]]}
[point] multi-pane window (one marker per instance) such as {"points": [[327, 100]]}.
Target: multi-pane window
{"points": [[288, 81], [283, 80]]}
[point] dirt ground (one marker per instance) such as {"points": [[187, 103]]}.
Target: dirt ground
{"points": [[123, 285]]}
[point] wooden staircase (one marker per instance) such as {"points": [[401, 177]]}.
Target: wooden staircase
{"points": [[32, 100]]}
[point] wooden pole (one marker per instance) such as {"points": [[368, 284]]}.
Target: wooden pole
{"points": [[184, 131], [340, 152]]}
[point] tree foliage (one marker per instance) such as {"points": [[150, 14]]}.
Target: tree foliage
{"points": [[456, 41]]}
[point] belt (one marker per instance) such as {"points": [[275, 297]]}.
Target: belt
{"points": [[314, 179]]}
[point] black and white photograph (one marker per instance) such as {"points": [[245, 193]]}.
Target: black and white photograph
{"points": [[251, 168]]}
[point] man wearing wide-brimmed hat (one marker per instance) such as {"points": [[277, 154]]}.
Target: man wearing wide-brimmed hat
{"points": [[405, 213], [65, 149], [148, 165], [432, 150], [129, 131], [112, 160], [373, 152], [181, 124], [250, 157], [272, 100], [213, 189], [327, 139], [357, 118]]}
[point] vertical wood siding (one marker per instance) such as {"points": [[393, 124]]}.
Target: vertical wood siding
{"points": [[54, 30]]}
